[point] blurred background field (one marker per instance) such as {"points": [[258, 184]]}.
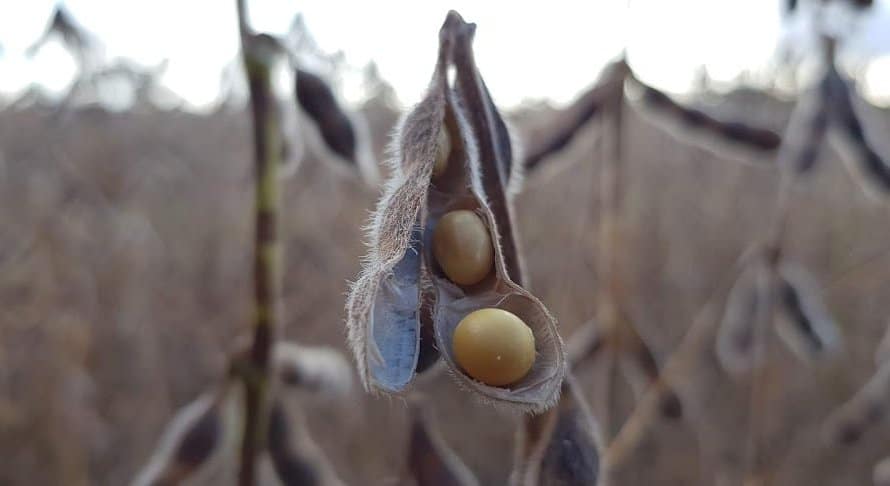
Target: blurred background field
{"points": [[125, 277]]}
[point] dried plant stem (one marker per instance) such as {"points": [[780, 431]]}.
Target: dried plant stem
{"points": [[699, 335], [609, 287], [754, 458], [267, 151]]}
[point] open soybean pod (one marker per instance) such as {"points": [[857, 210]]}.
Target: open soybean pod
{"points": [[806, 130], [474, 184], [564, 445], [746, 313], [431, 462], [202, 433], [343, 134], [723, 137], [864, 412], [296, 459], [869, 168], [803, 321], [456, 130]]}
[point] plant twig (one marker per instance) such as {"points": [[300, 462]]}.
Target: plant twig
{"points": [[258, 54]]}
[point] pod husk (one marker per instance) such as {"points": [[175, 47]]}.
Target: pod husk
{"points": [[477, 136], [383, 308]]}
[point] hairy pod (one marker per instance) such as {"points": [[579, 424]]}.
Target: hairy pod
{"points": [[723, 137], [384, 310]]}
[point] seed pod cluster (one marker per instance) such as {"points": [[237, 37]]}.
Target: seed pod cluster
{"points": [[454, 227]]}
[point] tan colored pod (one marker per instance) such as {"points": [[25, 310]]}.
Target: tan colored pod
{"points": [[476, 180]]}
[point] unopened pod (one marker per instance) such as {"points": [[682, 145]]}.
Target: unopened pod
{"points": [[452, 166]]}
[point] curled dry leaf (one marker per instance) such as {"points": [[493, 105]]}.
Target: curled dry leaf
{"points": [[803, 321], [723, 137], [863, 412], [317, 369], [343, 133], [565, 445], [384, 308], [745, 316], [201, 433], [869, 168], [297, 460], [431, 462]]}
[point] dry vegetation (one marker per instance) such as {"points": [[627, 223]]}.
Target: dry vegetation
{"points": [[125, 277]]}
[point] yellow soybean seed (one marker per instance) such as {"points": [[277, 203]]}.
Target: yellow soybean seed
{"points": [[462, 246], [494, 346], [443, 150]]}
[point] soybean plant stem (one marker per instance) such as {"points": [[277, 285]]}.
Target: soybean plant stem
{"points": [[266, 141]]}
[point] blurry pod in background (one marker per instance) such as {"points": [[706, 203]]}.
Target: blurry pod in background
{"points": [[430, 461], [317, 370], [333, 131], [204, 435], [200, 436], [805, 131], [475, 158], [863, 412], [881, 474], [563, 447], [744, 317], [862, 161], [296, 458], [803, 321], [882, 353], [727, 138]]}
